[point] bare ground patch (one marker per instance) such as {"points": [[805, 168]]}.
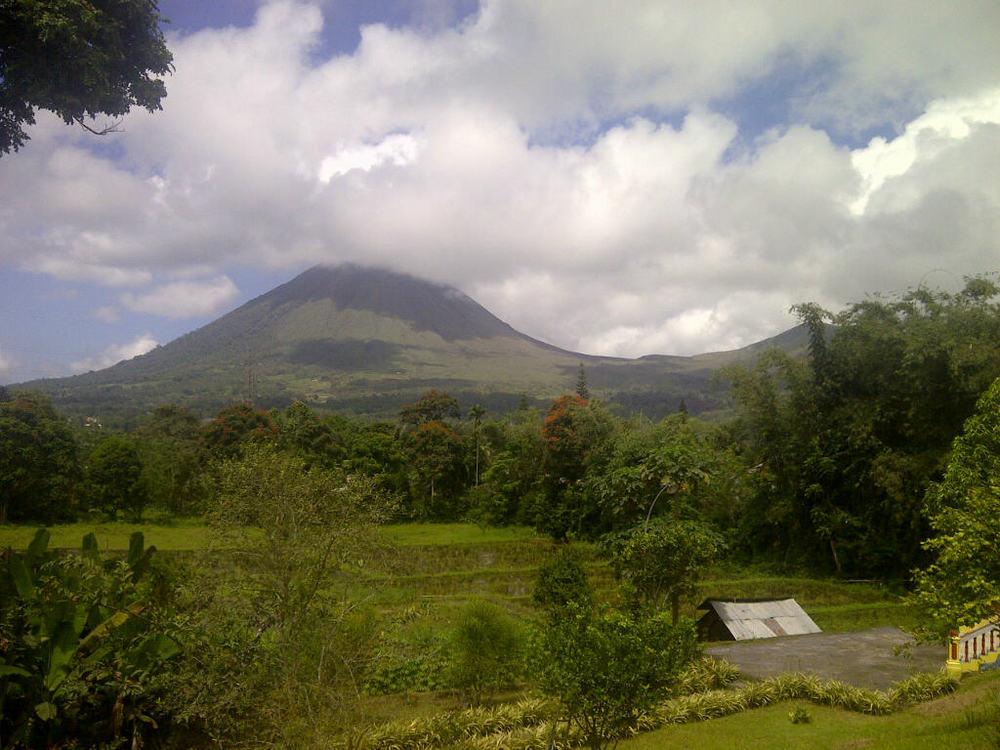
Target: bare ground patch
{"points": [[874, 658]]}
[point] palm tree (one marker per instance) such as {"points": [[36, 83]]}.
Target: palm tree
{"points": [[476, 414]]}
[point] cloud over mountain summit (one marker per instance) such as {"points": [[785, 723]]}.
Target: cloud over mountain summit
{"points": [[618, 179]]}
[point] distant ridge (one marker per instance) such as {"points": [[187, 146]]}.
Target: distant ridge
{"points": [[365, 340]]}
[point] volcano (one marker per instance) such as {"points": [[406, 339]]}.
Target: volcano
{"points": [[363, 341]]}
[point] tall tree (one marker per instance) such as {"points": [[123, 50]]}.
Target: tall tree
{"points": [[38, 453], [301, 431], [845, 448], [962, 584], [235, 426], [673, 467], [661, 562], [513, 481], [433, 406], [169, 446], [476, 414], [78, 59], [575, 434], [113, 478], [296, 530], [582, 390], [435, 452]]}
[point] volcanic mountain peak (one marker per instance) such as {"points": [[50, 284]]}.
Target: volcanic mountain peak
{"points": [[365, 341], [432, 307]]}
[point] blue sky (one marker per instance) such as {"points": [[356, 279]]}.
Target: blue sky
{"points": [[616, 178]]}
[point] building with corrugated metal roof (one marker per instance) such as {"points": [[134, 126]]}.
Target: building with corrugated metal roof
{"points": [[746, 619]]}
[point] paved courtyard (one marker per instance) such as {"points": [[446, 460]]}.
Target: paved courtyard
{"points": [[865, 658]]}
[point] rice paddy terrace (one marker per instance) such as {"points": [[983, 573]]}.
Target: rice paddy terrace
{"points": [[418, 591]]}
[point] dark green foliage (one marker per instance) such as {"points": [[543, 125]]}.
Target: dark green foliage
{"points": [[678, 467], [38, 456], [436, 471], [662, 562], [235, 426], [433, 406], [301, 431], [511, 489], [562, 583], [605, 670], [113, 479], [487, 650], [960, 586], [845, 447], [85, 648], [350, 355], [169, 445], [575, 434], [582, 390], [375, 450], [78, 59]]}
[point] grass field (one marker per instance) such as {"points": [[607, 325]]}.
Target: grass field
{"points": [[967, 720], [453, 561], [193, 534], [406, 534], [179, 536]]}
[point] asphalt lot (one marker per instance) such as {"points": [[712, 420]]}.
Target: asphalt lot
{"points": [[866, 658]]}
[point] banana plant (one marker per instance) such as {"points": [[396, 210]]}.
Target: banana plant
{"points": [[65, 619]]}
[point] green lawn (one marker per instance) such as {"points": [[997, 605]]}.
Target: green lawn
{"points": [[967, 720], [181, 536], [193, 534]]}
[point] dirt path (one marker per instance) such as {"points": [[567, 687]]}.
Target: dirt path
{"points": [[864, 658]]}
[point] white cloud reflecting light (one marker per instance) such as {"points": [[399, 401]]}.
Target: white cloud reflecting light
{"points": [[184, 299], [565, 165], [114, 354]]}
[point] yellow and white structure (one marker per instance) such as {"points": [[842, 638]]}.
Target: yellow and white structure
{"points": [[974, 649]]}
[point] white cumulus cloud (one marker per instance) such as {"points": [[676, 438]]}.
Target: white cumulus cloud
{"points": [[184, 299], [585, 170], [117, 353], [398, 149]]}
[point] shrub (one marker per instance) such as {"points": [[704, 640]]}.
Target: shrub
{"points": [[84, 647], [921, 687], [562, 582], [488, 649], [606, 670], [800, 715], [706, 674]]}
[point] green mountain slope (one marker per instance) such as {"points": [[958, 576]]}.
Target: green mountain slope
{"points": [[364, 341]]}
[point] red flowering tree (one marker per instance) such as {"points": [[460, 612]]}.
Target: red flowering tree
{"points": [[575, 432], [235, 425]]}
